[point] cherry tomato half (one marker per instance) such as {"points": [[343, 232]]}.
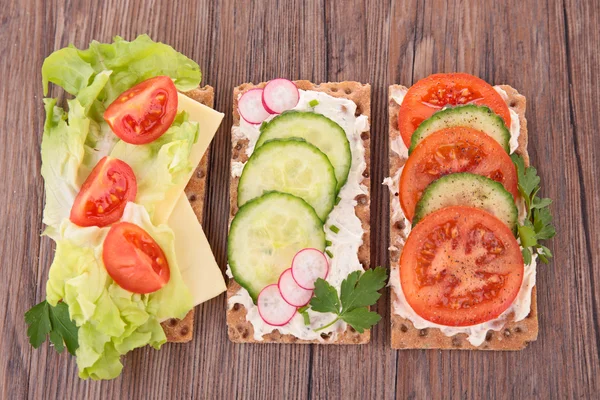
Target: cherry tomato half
{"points": [[143, 113], [134, 260], [104, 194]]}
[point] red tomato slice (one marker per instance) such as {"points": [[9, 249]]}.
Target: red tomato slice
{"points": [[461, 266], [134, 260], [450, 150], [104, 194], [143, 113], [431, 94]]}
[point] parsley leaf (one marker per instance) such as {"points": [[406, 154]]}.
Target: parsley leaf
{"points": [[44, 319], [362, 292], [538, 223], [38, 319], [358, 291], [361, 319], [325, 299]]}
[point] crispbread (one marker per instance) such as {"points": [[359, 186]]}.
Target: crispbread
{"points": [[514, 335], [182, 330], [240, 330]]}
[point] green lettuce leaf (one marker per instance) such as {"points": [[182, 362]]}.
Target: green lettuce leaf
{"points": [[161, 164], [112, 321], [130, 63], [62, 154]]}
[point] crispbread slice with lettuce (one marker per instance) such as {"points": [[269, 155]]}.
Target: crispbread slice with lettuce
{"points": [[112, 321]]}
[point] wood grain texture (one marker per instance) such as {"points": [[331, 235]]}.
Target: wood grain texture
{"points": [[548, 50]]}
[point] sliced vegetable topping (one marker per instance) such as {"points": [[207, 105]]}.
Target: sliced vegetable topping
{"points": [[291, 292], [308, 266], [280, 95], [465, 189], [266, 234], [461, 266], [359, 291], [251, 108], [317, 130], [437, 91], [451, 150], [273, 309], [290, 166], [104, 194], [143, 113], [134, 260], [480, 118]]}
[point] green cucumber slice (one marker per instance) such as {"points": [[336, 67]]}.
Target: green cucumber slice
{"points": [[317, 130], [265, 235], [481, 118], [290, 166], [465, 189]]}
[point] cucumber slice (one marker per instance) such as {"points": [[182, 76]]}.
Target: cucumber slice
{"points": [[481, 118], [465, 189], [317, 130], [266, 234], [290, 166]]}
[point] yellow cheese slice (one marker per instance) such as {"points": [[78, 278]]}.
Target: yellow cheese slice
{"points": [[209, 121], [199, 269], [196, 261]]}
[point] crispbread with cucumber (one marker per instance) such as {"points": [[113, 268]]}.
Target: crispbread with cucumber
{"points": [[299, 225], [465, 217]]}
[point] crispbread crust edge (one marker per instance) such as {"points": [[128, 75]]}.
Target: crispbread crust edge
{"points": [[241, 331], [514, 335], [182, 330]]}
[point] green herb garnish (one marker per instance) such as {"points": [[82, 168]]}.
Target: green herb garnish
{"points": [[359, 291], [328, 243], [538, 223], [337, 200], [44, 319], [334, 229], [313, 103], [330, 254], [304, 312]]}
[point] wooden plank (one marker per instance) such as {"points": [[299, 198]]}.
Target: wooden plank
{"points": [[356, 33], [20, 189], [582, 38]]}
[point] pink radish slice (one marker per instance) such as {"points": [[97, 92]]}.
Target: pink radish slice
{"points": [[309, 265], [273, 309], [251, 106], [280, 95], [291, 291]]}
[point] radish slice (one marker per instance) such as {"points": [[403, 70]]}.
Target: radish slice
{"points": [[309, 265], [291, 292], [250, 107], [273, 309], [280, 95]]}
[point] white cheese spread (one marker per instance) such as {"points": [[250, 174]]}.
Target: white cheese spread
{"points": [[346, 242], [520, 308]]}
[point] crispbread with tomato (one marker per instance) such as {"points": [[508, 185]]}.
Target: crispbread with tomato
{"points": [[276, 286], [459, 277], [124, 165]]}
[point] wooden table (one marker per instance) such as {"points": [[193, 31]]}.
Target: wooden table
{"points": [[549, 50]]}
